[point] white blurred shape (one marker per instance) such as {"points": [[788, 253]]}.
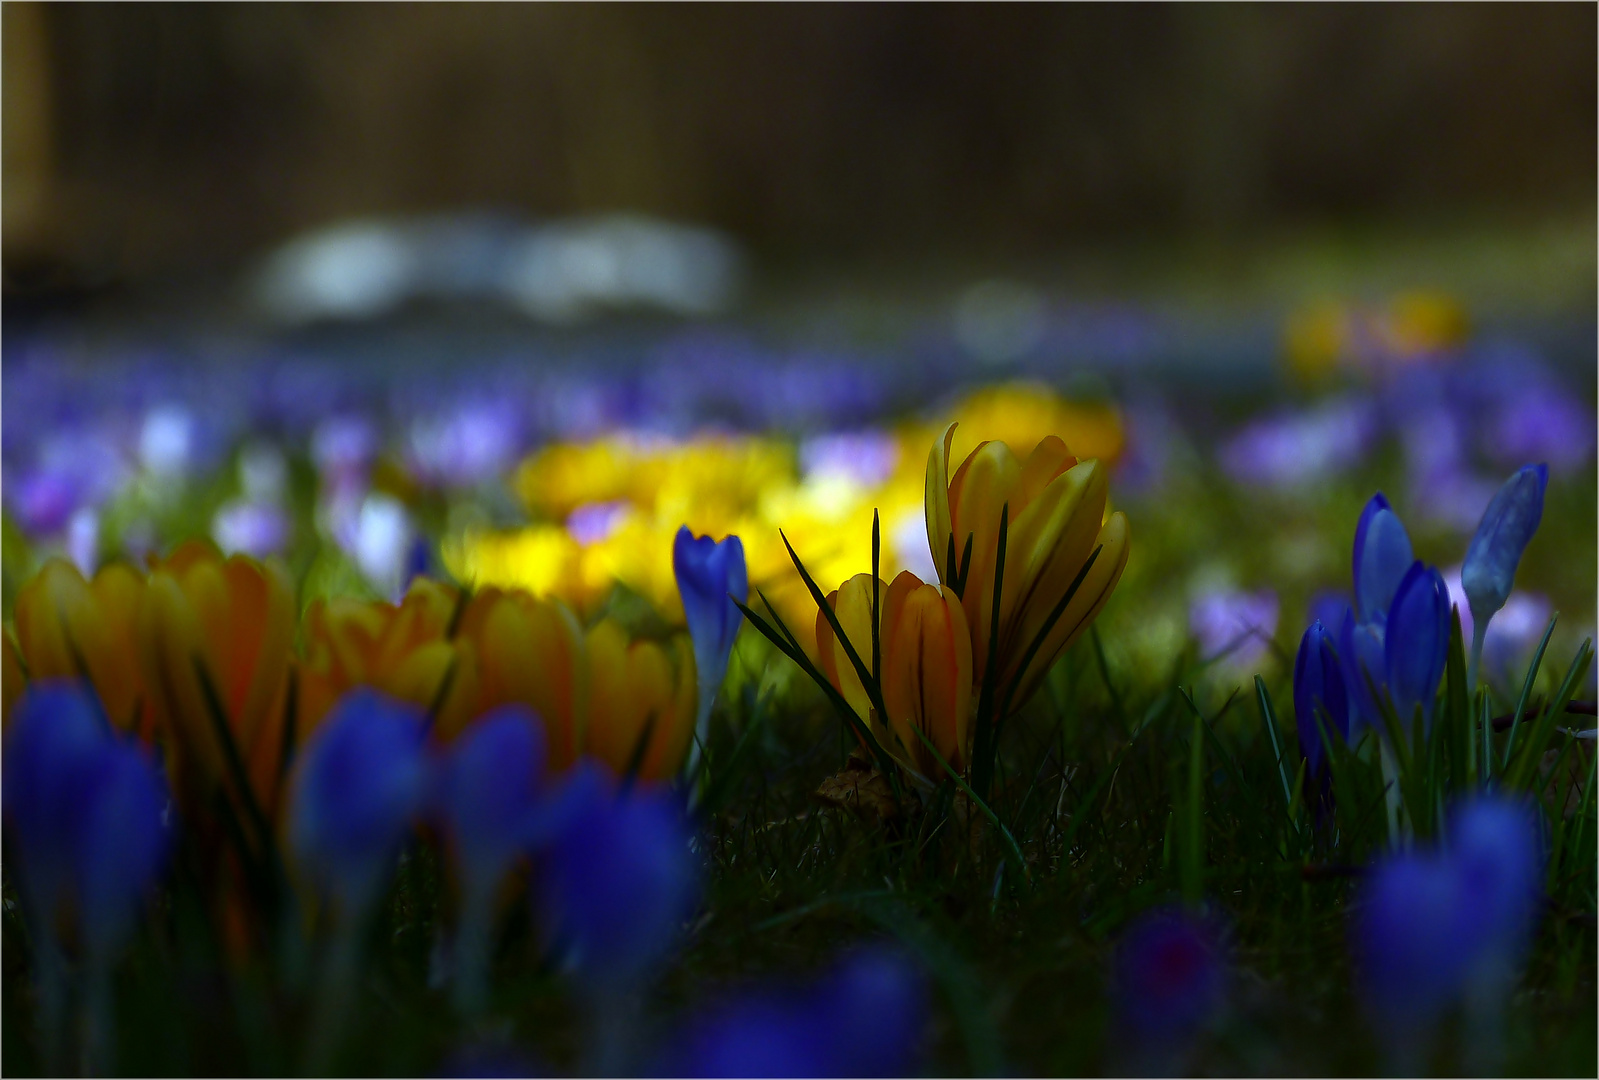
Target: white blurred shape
{"points": [[83, 540], [355, 270], [166, 441], [382, 542], [999, 321]]}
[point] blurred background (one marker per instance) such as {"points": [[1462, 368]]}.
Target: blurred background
{"points": [[154, 142]]}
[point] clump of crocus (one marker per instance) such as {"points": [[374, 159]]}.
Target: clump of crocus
{"points": [[1395, 639], [710, 576], [486, 794], [86, 811], [1507, 527], [862, 1018], [1169, 982], [1437, 929]]}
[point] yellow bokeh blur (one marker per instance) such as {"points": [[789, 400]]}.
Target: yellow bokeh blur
{"points": [[640, 491]]}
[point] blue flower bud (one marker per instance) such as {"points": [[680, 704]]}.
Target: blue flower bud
{"points": [[1382, 555], [361, 781], [1417, 642], [1506, 528], [707, 573], [1318, 685], [487, 791], [616, 879], [1406, 943], [862, 1019], [86, 812]]}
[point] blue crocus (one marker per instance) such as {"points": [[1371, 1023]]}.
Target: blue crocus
{"points": [[486, 800], [86, 811], [1170, 980], [1318, 686], [616, 879], [1434, 929], [361, 782], [1417, 642], [1507, 527], [1382, 557], [708, 573], [863, 1018], [487, 791]]}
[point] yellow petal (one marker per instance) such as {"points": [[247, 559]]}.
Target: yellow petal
{"points": [[936, 500]]}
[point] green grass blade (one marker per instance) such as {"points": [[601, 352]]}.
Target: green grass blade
{"points": [[1526, 691]]}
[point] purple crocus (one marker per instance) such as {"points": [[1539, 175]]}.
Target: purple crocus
{"points": [[1168, 983], [1235, 624], [1507, 527]]}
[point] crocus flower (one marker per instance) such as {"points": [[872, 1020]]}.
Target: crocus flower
{"points": [[1056, 507], [1433, 929], [70, 628], [1169, 981], [1382, 557], [228, 623], [1417, 641], [486, 789], [862, 1018], [710, 575], [615, 879], [852, 604], [532, 651], [1495, 550], [927, 672], [485, 799], [86, 810], [639, 691], [1318, 691], [360, 782]]}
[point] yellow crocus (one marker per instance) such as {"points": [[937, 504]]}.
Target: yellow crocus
{"points": [[229, 622], [927, 673], [852, 604], [636, 685], [343, 637], [1056, 507], [70, 628], [532, 651]]}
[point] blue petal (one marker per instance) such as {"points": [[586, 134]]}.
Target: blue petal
{"points": [[1362, 660], [124, 844], [1318, 684], [1382, 555]]}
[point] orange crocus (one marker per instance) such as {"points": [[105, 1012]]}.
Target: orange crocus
{"points": [[532, 651], [71, 628], [1056, 513], [639, 685], [215, 634], [927, 673]]}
